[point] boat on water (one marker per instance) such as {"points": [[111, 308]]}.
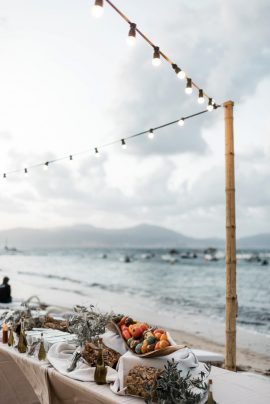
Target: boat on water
{"points": [[126, 259], [210, 257], [169, 258], [147, 256], [188, 255], [10, 250]]}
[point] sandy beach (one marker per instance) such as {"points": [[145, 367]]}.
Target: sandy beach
{"points": [[253, 349], [247, 360]]}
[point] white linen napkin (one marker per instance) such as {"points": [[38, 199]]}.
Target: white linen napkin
{"points": [[60, 355]]}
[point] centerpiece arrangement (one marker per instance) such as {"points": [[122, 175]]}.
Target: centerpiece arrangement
{"points": [[143, 339]]}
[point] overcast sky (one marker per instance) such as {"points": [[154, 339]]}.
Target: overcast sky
{"points": [[70, 82]]}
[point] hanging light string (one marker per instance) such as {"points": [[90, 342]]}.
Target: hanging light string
{"points": [[95, 150], [98, 11]]}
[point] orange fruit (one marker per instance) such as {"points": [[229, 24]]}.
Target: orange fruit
{"points": [[144, 349], [163, 337], [164, 344]]}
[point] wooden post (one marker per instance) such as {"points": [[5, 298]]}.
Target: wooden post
{"points": [[231, 297]]}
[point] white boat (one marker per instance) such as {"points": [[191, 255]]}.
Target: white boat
{"points": [[147, 256], [125, 258], [169, 258], [210, 257]]}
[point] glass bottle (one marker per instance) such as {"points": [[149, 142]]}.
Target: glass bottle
{"points": [[210, 393], [41, 352], [22, 344], [101, 370], [4, 333], [11, 336]]}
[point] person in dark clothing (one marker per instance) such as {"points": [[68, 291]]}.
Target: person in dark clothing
{"points": [[5, 291]]}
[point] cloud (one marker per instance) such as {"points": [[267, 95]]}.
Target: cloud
{"points": [[67, 99]]}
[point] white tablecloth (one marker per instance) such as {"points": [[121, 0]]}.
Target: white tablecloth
{"points": [[20, 376]]}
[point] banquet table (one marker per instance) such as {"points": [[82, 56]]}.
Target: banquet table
{"points": [[25, 380]]}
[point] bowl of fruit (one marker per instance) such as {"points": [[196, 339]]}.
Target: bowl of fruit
{"points": [[143, 339]]}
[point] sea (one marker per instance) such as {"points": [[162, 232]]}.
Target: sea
{"points": [[160, 280]]}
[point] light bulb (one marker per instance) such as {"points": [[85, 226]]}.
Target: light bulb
{"points": [[151, 134], [189, 89], [97, 9], [180, 73], [181, 122], [131, 39], [156, 57], [124, 146], [200, 98], [46, 166], [210, 106], [96, 152]]}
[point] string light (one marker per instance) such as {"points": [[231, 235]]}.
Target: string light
{"points": [[124, 146], [180, 73], [200, 97], [156, 57], [210, 105], [97, 9], [157, 52], [181, 122], [131, 39], [151, 134], [188, 89]]}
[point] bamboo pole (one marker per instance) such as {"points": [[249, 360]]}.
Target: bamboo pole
{"points": [[231, 297]]}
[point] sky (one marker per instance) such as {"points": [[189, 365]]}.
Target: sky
{"points": [[69, 82]]}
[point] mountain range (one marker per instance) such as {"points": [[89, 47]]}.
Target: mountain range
{"points": [[144, 235]]}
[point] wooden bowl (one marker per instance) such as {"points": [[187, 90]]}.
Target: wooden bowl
{"points": [[153, 354]]}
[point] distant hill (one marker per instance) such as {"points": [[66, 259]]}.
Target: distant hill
{"points": [[143, 235], [256, 241]]}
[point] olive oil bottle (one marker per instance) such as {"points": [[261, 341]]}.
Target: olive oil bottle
{"points": [[41, 352], [5, 334], [22, 344], [210, 393], [11, 336], [101, 370]]}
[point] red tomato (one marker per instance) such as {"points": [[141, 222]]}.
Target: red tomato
{"points": [[138, 332], [157, 335], [157, 346], [122, 321], [126, 334], [159, 330], [144, 326]]}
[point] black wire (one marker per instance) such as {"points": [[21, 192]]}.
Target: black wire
{"points": [[151, 43], [110, 143]]}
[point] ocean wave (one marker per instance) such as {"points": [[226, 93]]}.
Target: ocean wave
{"points": [[50, 276]]}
